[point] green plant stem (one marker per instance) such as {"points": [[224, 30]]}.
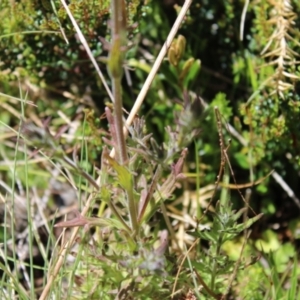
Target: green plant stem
{"points": [[118, 117], [199, 212], [115, 69], [150, 193], [133, 211], [215, 263], [118, 17], [29, 213]]}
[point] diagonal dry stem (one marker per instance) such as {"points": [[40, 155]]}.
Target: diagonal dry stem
{"points": [[87, 48]]}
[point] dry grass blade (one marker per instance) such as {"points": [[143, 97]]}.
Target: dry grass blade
{"points": [[242, 25], [87, 49], [29, 102], [180, 267], [245, 185]]}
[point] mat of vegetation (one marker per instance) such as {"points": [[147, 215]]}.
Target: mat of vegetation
{"points": [[149, 149]]}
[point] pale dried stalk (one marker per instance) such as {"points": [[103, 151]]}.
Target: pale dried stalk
{"points": [[87, 49]]}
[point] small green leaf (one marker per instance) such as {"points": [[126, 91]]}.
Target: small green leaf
{"points": [[248, 223], [105, 194], [186, 68], [269, 242], [208, 235], [192, 74], [134, 63], [237, 215], [242, 160], [105, 222], [124, 176], [223, 105]]}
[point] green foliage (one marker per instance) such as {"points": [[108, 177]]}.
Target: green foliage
{"points": [[253, 83], [215, 266], [222, 103], [42, 44]]}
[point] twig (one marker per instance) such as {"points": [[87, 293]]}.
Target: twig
{"points": [[158, 62], [181, 264], [286, 188]]}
